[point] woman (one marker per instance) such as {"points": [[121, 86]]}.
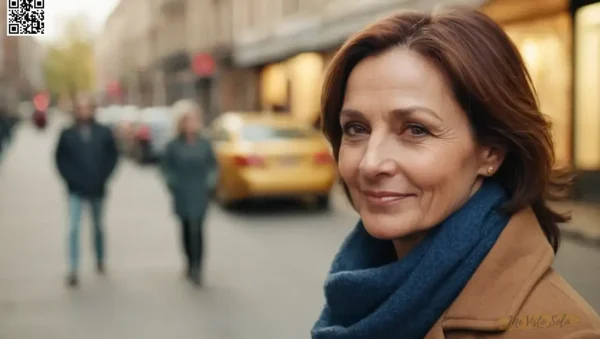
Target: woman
{"points": [[190, 170], [445, 155]]}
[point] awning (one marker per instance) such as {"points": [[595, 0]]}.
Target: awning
{"points": [[327, 31]]}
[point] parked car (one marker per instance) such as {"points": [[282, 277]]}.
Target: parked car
{"points": [[152, 133], [109, 116], [269, 156], [125, 129]]}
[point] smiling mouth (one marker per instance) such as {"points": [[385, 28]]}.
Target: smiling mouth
{"points": [[384, 198]]}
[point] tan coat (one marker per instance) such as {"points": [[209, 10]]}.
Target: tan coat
{"points": [[515, 294]]}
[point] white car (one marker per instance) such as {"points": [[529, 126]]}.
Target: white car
{"points": [[127, 120], [108, 116], [153, 132]]}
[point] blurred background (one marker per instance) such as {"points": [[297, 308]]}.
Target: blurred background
{"points": [[241, 60]]}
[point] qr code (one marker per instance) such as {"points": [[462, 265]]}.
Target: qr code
{"points": [[25, 17]]}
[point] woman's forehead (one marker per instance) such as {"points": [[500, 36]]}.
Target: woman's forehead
{"points": [[396, 68], [397, 79]]}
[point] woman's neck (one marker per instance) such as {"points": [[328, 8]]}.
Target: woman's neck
{"points": [[190, 138]]}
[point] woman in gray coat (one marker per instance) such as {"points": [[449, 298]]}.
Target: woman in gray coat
{"points": [[190, 169]]}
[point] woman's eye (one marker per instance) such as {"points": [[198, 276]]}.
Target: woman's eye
{"points": [[354, 128], [418, 131]]}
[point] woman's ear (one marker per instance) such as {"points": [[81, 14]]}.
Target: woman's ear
{"points": [[491, 158]]}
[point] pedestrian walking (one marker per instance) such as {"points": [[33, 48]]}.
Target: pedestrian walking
{"points": [[190, 170], [86, 156], [445, 155]]}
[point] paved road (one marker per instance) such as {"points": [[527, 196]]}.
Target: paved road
{"points": [[264, 272]]}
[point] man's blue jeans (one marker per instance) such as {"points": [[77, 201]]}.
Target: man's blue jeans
{"points": [[75, 210]]}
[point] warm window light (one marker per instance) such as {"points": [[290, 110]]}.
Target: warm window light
{"points": [[587, 115], [589, 15], [530, 52]]}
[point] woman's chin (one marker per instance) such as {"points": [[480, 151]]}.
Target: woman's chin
{"points": [[390, 226]]}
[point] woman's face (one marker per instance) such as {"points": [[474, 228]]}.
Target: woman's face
{"points": [[408, 154], [191, 123]]}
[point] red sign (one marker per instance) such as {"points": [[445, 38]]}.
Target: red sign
{"points": [[41, 101], [114, 88], [203, 64]]}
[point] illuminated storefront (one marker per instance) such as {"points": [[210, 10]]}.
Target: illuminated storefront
{"points": [[274, 87], [586, 14], [543, 35], [560, 43], [295, 85], [587, 84], [545, 45]]}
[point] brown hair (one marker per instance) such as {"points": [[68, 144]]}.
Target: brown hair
{"points": [[491, 84]]}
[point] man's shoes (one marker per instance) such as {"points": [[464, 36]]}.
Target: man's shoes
{"points": [[100, 268], [72, 280]]}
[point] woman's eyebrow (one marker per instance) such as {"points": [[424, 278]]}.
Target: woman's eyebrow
{"points": [[350, 113], [408, 111]]}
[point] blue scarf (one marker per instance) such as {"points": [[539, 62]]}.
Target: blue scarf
{"points": [[371, 294]]}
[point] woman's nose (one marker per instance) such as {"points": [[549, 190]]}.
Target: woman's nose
{"points": [[378, 158]]}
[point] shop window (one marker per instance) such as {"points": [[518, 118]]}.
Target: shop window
{"points": [[306, 75], [545, 47], [274, 84], [587, 88]]}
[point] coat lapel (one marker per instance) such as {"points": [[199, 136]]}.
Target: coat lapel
{"points": [[501, 284]]}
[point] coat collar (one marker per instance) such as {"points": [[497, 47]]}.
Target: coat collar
{"points": [[500, 285]]}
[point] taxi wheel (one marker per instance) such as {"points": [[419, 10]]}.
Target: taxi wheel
{"points": [[323, 202]]}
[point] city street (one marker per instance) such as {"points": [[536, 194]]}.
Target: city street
{"points": [[264, 273]]}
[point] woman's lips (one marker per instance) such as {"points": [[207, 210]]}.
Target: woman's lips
{"points": [[383, 198]]}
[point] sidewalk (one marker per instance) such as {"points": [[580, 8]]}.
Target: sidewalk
{"points": [[585, 221]]}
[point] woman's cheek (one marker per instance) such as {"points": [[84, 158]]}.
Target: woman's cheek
{"points": [[348, 162], [424, 168]]}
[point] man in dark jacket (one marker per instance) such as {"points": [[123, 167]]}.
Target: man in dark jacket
{"points": [[86, 157]]}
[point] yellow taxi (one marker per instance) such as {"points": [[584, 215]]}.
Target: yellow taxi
{"points": [[263, 155]]}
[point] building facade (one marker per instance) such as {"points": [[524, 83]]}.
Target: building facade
{"points": [[560, 43], [124, 54], [9, 65], [291, 53], [21, 66], [176, 49], [271, 55], [107, 58], [31, 71], [558, 39]]}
